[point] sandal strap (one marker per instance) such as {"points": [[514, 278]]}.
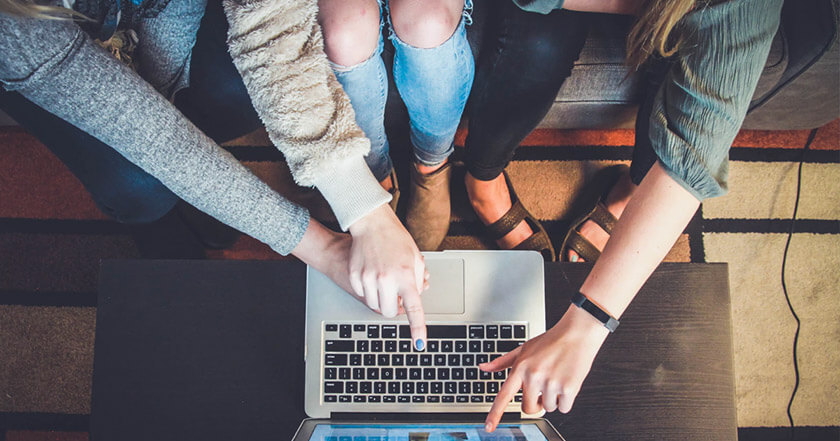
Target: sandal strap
{"points": [[508, 222], [602, 216], [582, 246], [538, 241]]}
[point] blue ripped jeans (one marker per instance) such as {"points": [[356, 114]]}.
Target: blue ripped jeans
{"points": [[434, 83]]}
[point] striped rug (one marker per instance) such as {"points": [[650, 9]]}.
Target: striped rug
{"points": [[52, 237]]}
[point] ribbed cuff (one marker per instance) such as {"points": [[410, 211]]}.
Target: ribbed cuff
{"points": [[352, 191]]}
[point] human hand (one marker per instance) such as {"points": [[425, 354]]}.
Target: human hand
{"points": [[549, 368], [385, 266]]}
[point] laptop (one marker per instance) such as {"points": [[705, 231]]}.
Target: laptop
{"points": [[361, 366]]}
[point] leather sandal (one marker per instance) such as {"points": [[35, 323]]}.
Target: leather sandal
{"points": [[596, 210], [538, 241]]}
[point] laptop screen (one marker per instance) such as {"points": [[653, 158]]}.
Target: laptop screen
{"points": [[425, 432]]}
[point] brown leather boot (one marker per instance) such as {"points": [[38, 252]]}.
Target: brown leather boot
{"points": [[395, 190], [427, 218]]}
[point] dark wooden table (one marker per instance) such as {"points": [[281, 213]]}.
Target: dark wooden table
{"points": [[213, 350]]}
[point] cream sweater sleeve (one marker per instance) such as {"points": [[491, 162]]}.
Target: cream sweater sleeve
{"points": [[278, 49]]}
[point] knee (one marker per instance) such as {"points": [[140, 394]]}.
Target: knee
{"points": [[425, 23], [136, 201], [350, 28]]}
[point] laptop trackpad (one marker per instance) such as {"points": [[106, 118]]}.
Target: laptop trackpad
{"points": [[446, 286]]}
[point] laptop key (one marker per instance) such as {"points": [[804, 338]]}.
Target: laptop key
{"points": [[362, 346], [475, 345], [330, 398], [376, 346], [412, 360], [489, 346], [359, 328], [506, 331], [408, 388], [489, 399], [433, 346], [344, 331], [404, 399], [365, 387], [398, 359], [519, 331], [454, 360], [436, 387], [359, 399], [425, 360], [383, 360], [332, 327], [447, 399], [518, 398], [330, 373], [499, 375], [476, 331], [379, 387], [393, 387], [476, 399], [423, 387], [333, 387], [405, 346], [373, 373], [481, 358], [464, 388], [401, 373], [428, 373], [418, 399], [351, 387], [492, 331], [389, 399], [472, 373], [339, 346], [335, 359], [507, 346], [446, 346], [433, 399], [374, 399], [478, 388], [443, 373], [440, 360], [344, 373], [387, 373], [462, 399], [344, 398], [369, 360], [468, 360], [389, 331], [492, 387], [450, 387], [415, 374], [485, 375], [460, 346], [355, 359], [457, 373], [390, 345], [373, 331]]}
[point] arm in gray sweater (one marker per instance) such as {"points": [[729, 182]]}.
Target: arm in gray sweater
{"points": [[57, 66]]}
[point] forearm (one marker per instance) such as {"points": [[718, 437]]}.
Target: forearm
{"points": [[653, 220], [85, 86], [277, 47]]}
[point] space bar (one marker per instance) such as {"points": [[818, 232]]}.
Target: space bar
{"points": [[438, 331]]}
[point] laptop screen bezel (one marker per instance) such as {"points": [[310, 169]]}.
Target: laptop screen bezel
{"points": [[307, 426]]}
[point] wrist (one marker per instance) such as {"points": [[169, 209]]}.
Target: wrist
{"points": [[584, 324], [372, 221]]}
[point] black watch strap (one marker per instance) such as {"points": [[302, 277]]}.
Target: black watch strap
{"points": [[584, 303]]}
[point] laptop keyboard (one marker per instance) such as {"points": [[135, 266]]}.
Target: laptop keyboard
{"points": [[376, 363]]}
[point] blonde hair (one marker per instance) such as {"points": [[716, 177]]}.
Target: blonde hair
{"points": [[29, 8], [652, 33]]}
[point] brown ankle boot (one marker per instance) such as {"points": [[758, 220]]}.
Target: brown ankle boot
{"points": [[395, 190], [427, 218]]}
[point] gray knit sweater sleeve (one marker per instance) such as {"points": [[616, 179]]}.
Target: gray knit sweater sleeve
{"points": [[278, 48], [56, 65], [700, 106]]}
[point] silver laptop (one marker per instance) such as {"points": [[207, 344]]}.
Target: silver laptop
{"points": [[480, 305]]}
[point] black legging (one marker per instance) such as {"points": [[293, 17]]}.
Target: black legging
{"points": [[523, 60]]}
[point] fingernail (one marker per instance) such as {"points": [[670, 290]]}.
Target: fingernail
{"points": [[574, 258], [419, 344], [488, 427]]}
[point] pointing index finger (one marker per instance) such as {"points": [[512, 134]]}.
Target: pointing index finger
{"points": [[506, 394], [414, 311]]}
